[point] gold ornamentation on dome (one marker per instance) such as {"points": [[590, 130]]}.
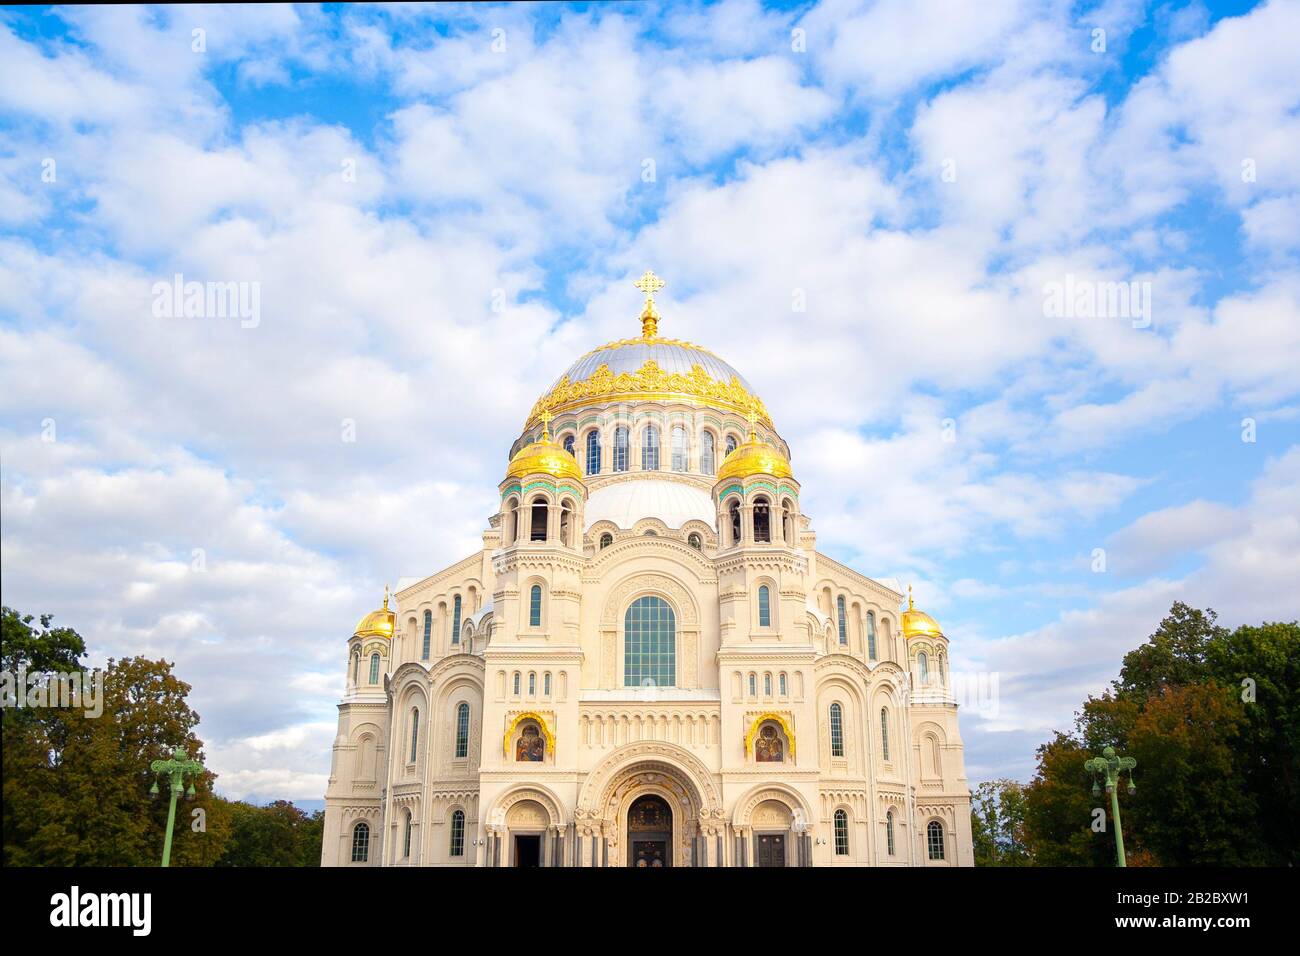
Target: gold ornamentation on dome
{"points": [[544, 457], [649, 284], [377, 623], [754, 457], [649, 383], [918, 623]]}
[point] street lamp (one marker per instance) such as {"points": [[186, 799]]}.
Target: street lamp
{"points": [[1109, 767], [176, 770]]}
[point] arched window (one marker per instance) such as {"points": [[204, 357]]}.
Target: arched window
{"points": [[649, 644], [535, 606], [374, 668], [707, 465], [884, 732], [532, 683], [787, 522], [361, 843], [923, 667], [462, 730], [762, 521], [540, 518], [512, 521], [733, 513], [753, 685], [428, 634], [356, 668], [871, 635], [546, 685], [593, 452], [457, 847], [767, 685], [837, 730], [889, 832], [695, 541], [650, 449], [844, 620], [620, 448], [566, 523], [455, 620], [568, 444], [415, 732], [679, 448], [606, 540], [731, 446], [516, 691], [764, 607], [406, 836], [934, 839], [841, 833], [781, 684]]}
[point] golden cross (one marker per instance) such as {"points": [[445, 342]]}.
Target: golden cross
{"points": [[546, 424], [649, 284], [909, 597], [753, 423]]}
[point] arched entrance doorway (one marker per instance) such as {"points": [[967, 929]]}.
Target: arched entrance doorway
{"points": [[649, 832]]}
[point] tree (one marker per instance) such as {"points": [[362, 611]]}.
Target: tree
{"points": [[38, 649], [998, 822], [1174, 656], [278, 834], [1059, 809]]}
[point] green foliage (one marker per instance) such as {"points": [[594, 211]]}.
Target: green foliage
{"points": [[278, 834], [998, 823], [38, 649], [1219, 772]]}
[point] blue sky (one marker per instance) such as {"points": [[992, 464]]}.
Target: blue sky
{"points": [[920, 172]]}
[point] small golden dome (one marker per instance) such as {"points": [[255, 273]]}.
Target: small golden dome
{"points": [[754, 457], [377, 623], [918, 623], [544, 457]]}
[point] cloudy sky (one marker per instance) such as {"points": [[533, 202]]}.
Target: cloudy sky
{"points": [[442, 207]]}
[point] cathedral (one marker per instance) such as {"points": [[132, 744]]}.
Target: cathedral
{"points": [[648, 662]]}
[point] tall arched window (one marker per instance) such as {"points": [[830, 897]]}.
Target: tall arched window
{"points": [[462, 730], [649, 644], [538, 521], [889, 832], [566, 523], [428, 634], [546, 685], [356, 668], [844, 620], [535, 606], [753, 685], [457, 847], [606, 540], [764, 607], [733, 512], [837, 730], [455, 620], [679, 448], [762, 521], [620, 449], [934, 839], [593, 452], [568, 444], [707, 465], [767, 685], [650, 449], [871, 635], [841, 833], [781, 684], [406, 836], [361, 843], [374, 668], [884, 732], [787, 522], [415, 732], [923, 667], [532, 683], [516, 691], [731, 446]]}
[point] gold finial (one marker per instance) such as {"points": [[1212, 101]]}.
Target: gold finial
{"points": [[385, 597], [649, 284], [546, 425], [909, 597], [753, 423]]}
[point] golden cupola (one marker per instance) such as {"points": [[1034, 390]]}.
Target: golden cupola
{"points": [[754, 457], [918, 623], [544, 457], [378, 623]]}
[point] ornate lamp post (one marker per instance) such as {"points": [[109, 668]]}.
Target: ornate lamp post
{"points": [[176, 770], [1110, 766]]}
